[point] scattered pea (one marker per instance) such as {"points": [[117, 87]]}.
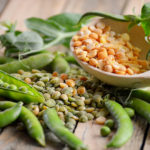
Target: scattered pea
{"points": [[5, 85], [109, 123], [12, 87], [83, 118], [129, 111], [50, 103], [105, 131]]}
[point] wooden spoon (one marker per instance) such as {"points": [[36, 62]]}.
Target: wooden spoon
{"points": [[137, 37]]}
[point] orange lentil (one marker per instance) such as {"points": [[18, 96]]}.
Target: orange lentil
{"points": [[74, 92], [55, 74], [94, 36], [70, 82], [63, 85], [64, 76], [93, 62], [100, 120], [20, 71], [81, 90], [77, 43], [27, 80], [83, 78]]}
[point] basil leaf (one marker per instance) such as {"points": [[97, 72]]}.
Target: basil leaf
{"points": [[145, 15], [28, 40]]}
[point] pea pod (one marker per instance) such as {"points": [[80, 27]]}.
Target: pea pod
{"points": [[33, 62], [125, 127], [32, 124], [60, 65], [71, 59], [4, 60], [141, 107], [56, 125], [142, 93], [10, 115], [30, 95]]}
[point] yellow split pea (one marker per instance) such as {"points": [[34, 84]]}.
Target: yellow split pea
{"points": [[101, 47]]}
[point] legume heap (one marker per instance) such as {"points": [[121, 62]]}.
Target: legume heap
{"points": [[102, 48], [77, 96]]}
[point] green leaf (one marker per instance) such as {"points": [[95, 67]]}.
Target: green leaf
{"points": [[28, 40], [85, 17], [57, 29], [145, 15], [148, 55], [66, 21]]}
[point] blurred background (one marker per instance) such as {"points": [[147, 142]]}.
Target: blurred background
{"points": [[19, 10]]}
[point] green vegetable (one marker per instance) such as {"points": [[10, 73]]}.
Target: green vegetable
{"points": [[109, 123], [70, 59], [141, 107], [60, 65], [142, 93], [10, 115], [130, 111], [125, 127], [105, 131], [144, 18], [32, 124], [57, 127], [12, 89], [33, 62], [4, 60]]}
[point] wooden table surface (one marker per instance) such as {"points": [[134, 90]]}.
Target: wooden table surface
{"points": [[19, 10]]}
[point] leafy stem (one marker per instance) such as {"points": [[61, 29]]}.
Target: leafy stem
{"points": [[52, 43]]}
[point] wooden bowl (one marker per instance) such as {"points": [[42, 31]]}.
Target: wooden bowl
{"points": [[137, 37]]}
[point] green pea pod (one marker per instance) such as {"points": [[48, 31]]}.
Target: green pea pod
{"points": [[125, 127], [32, 124], [143, 93], [60, 65], [4, 60], [71, 59], [56, 125], [141, 107], [31, 95], [33, 62], [10, 115]]}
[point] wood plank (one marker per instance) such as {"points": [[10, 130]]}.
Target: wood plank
{"points": [[147, 140], [3, 4], [13, 139], [90, 133], [82, 6], [17, 10]]}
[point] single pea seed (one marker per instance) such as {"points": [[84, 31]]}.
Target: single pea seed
{"points": [[40, 83], [23, 89], [56, 95], [46, 96], [129, 111], [109, 123], [1, 82], [5, 85], [83, 119], [50, 103], [105, 131], [30, 93], [12, 87]]}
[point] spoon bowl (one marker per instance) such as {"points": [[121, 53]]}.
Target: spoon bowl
{"points": [[137, 37]]}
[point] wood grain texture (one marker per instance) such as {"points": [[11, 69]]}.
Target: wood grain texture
{"points": [[19, 10], [3, 4], [90, 133], [13, 139]]}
